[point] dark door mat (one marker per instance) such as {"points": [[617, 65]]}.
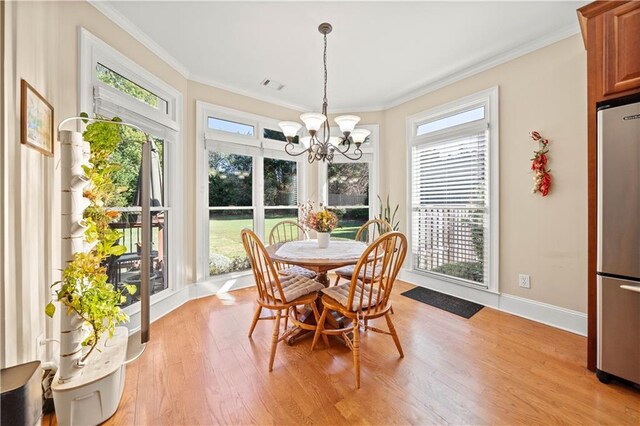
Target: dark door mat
{"points": [[443, 301]]}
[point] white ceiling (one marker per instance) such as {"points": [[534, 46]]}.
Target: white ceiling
{"points": [[379, 53]]}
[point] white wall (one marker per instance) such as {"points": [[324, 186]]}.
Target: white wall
{"points": [[543, 237]]}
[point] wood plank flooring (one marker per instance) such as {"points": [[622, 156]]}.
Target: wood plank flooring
{"points": [[495, 368]]}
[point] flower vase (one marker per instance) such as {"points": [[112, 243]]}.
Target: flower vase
{"points": [[323, 239]]}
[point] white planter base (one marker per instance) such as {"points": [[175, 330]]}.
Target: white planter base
{"points": [[93, 396]]}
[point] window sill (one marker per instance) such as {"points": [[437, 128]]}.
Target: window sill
{"points": [[452, 280]]}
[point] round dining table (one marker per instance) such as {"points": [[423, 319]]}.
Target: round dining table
{"points": [[307, 254]]}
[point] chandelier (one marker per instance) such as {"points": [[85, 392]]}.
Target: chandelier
{"points": [[324, 146]]}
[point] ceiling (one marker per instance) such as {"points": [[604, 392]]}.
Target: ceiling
{"points": [[379, 53]]}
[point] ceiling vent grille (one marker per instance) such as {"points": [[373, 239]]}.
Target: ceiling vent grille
{"points": [[272, 84]]}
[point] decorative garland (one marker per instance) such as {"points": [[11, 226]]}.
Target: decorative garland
{"points": [[542, 178]]}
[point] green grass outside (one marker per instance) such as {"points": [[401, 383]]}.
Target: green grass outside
{"points": [[224, 232]]}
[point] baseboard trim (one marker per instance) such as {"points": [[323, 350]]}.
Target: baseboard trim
{"points": [[554, 316], [160, 308]]}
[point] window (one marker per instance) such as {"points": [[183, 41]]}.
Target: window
{"points": [[112, 85], [250, 184], [277, 135], [230, 210], [453, 193], [349, 195], [350, 187], [230, 126], [129, 88]]}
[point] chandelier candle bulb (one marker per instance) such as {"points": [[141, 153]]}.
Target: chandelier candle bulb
{"points": [[347, 123], [289, 128], [359, 135], [313, 120]]}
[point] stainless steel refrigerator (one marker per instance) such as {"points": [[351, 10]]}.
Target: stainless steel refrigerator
{"points": [[618, 262]]}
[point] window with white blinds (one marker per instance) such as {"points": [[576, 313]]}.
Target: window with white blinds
{"points": [[450, 205]]}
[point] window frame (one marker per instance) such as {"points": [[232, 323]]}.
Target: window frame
{"points": [[255, 146], [95, 96], [489, 99]]}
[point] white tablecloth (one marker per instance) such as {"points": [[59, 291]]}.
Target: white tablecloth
{"points": [[308, 249]]}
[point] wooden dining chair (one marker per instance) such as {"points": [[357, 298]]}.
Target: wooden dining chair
{"points": [[278, 293], [367, 233], [361, 301], [284, 231]]}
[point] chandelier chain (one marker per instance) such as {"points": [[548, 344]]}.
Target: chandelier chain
{"points": [[324, 58]]}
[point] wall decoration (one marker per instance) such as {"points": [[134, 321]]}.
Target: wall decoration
{"points": [[36, 120], [542, 177]]}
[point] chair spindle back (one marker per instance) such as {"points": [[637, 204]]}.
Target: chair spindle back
{"points": [[266, 277], [372, 229], [287, 230], [386, 253]]}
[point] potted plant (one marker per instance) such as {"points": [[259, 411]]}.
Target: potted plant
{"points": [[90, 305], [322, 221], [387, 215]]}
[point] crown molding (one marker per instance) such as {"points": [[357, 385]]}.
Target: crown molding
{"points": [[132, 29], [421, 90], [249, 93], [479, 67]]}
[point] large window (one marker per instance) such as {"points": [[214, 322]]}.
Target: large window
{"points": [[451, 191], [350, 188], [114, 86], [251, 183], [348, 185]]}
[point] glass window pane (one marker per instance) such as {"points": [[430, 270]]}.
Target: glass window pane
{"points": [[115, 80], [226, 252], [350, 220], [274, 216], [125, 269], [348, 184], [280, 182], [451, 121], [230, 180], [128, 155], [277, 135], [230, 126]]}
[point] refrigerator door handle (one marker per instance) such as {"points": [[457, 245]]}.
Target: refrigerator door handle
{"points": [[635, 288]]}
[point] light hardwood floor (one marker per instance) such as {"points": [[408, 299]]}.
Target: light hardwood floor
{"points": [[495, 368]]}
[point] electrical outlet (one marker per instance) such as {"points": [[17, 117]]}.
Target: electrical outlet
{"points": [[523, 281]]}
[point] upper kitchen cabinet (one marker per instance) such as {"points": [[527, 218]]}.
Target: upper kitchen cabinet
{"points": [[611, 32]]}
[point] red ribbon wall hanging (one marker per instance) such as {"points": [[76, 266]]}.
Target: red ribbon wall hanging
{"points": [[542, 177]]}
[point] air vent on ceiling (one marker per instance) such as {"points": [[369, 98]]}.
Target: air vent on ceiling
{"points": [[272, 84]]}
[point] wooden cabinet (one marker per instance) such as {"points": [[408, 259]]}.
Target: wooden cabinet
{"points": [[621, 54], [611, 33]]}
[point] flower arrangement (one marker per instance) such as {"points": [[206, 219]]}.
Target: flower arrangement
{"points": [[322, 220], [542, 178]]}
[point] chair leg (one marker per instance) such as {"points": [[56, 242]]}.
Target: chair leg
{"points": [[337, 279], [255, 319], [356, 353], [274, 339], [391, 310], [319, 328], [392, 330], [286, 318]]}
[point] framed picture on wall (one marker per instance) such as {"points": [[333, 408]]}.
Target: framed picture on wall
{"points": [[36, 120]]}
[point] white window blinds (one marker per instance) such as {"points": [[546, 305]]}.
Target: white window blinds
{"points": [[450, 205]]}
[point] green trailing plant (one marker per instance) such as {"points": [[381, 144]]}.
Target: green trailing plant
{"points": [[387, 215], [84, 289]]}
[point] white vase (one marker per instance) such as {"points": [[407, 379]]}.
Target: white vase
{"points": [[323, 239]]}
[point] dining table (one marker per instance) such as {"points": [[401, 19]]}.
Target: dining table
{"points": [[308, 254]]}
